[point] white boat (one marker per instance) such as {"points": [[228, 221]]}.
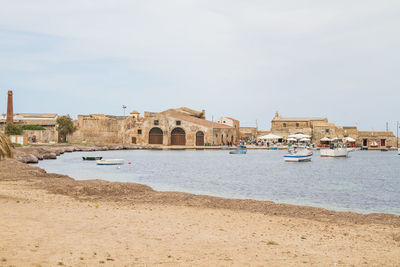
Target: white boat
{"points": [[335, 152], [298, 154], [110, 162], [336, 149], [398, 151]]}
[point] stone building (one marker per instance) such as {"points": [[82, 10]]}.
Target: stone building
{"points": [[378, 140], [47, 121], [99, 129], [248, 133], [285, 126], [319, 128], [325, 129], [232, 123], [182, 126]]}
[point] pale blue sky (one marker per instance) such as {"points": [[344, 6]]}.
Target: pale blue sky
{"points": [[244, 59]]}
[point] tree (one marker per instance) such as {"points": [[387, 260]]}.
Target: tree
{"points": [[13, 129], [65, 126], [5, 146]]}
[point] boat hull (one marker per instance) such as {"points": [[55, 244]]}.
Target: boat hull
{"points": [[238, 152], [92, 158], [298, 158], [110, 162], [333, 153]]}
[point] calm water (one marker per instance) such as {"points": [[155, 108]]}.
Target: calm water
{"points": [[367, 181]]}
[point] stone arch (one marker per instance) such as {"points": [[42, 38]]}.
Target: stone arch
{"points": [[178, 137], [199, 138], [156, 136]]}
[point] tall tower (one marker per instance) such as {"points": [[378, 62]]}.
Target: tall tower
{"points": [[10, 112]]}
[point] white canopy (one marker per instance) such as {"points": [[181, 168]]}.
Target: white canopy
{"points": [[349, 139], [305, 139], [299, 136], [292, 139], [325, 139], [270, 137]]}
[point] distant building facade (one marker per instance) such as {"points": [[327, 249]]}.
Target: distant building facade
{"points": [[47, 121], [182, 126], [319, 128]]}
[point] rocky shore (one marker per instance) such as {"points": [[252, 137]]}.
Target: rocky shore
{"points": [[34, 153]]}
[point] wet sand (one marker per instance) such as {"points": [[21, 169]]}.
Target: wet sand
{"points": [[49, 219]]}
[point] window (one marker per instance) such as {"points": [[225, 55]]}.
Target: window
{"points": [[155, 122], [327, 130], [297, 125], [284, 125], [178, 122], [139, 131]]}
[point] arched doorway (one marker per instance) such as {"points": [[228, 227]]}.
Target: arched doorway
{"points": [[178, 137], [156, 136], [199, 139]]}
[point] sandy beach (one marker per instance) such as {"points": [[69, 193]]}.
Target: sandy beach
{"points": [[53, 220]]}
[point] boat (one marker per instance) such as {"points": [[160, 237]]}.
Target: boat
{"points": [[92, 158], [384, 149], [374, 144], [110, 162], [398, 151], [336, 149], [239, 150], [298, 154]]}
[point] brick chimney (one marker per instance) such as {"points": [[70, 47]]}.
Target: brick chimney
{"points": [[10, 112]]}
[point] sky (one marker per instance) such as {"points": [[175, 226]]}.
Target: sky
{"points": [[243, 59]]}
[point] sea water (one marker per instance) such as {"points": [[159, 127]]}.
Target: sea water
{"points": [[366, 181]]}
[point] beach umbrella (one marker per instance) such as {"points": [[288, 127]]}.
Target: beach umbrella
{"points": [[325, 139], [292, 139], [299, 136], [305, 140], [270, 137], [349, 139]]}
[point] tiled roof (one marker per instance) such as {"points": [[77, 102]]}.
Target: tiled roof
{"points": [[36, 115], [203, 122], [350, 127], [298, 119]]}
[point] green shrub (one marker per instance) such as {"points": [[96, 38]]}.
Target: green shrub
{"points": [[33, 127], [13, 129]]}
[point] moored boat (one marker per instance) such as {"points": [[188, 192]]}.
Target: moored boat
{"points": [[336, 149], [92, 158], [110, 162], [239, 150], [298, 154]]}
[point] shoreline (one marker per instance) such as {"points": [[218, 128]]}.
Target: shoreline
{"points": [[72, 187], [53, 220]]}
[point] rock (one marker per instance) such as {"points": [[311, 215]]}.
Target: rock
{"points": [[50, 156], [27, 158]]}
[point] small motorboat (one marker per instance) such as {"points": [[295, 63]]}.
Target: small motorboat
{"points": [[298, 154], [239, 150], [92, 158], [336, 149], [384, 149], [110, 162]]}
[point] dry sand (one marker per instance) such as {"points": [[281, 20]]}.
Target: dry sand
{"points": [[49, 219]]}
